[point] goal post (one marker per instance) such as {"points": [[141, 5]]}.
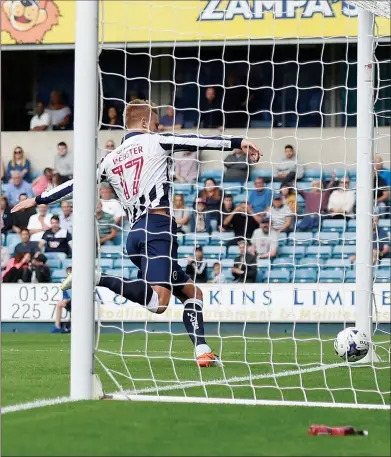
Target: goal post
{"points": [[84, 200], [161, 371]]}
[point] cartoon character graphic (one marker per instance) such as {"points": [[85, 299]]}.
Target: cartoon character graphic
{"points": [[27, 21]]}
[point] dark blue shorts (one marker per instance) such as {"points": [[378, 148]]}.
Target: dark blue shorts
{"points": [[153, 247]]}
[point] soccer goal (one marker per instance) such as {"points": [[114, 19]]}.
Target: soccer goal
{"points": [[314, 76]]}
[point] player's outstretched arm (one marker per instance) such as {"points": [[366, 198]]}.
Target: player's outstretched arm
{"points": [[50, 196], [176, 143]]}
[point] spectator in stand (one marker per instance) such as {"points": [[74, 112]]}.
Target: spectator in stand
{"points": [[212, 196], [38, 271], [56, 239], [380, 243], [63, 162], [19, 163], [288, 170], [381, 192], [5, 257], [218, 275], [39, 223], [6, 216], [342, 200], [57, 180], [2, 173], [43, 182], [265, 240], [181, 214], [17, 187], [65, 303], [66, 216], [41, 120], [280, 214], [234, 104], [316, 202], [384, 173], [260, 197], [200, 218], [21, 218], [228, 207], [107, 230], [243, 221], [186, 167], [27, 245], [245, 265], [211, 110], [110, 205], [16, 269], [171, 120], [109, 146], [60, 114], [236, 166], [289, 197], [196, 267], [113, 121]]}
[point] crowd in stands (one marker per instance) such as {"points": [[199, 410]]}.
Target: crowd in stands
{"points": [[252, 217]]}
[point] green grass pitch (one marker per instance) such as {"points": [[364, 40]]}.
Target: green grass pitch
{"points": [[36, 366]]}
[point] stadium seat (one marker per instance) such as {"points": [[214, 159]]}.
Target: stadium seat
{"points": [[283, 263], [352, 225], [303, 185], [216, 174], [218, 238], [300, 238], [308, 275], [329, 238], [58, 275], [385, 263], [56, 255], [262, 172], [349, 238], [313, 263], [334, 225], [277, 276], [227, 263], [118, 272], [323, 252], [113, 252], [233, 251], [215, 252], [350, 276], [382, 275], [385, 224], [54, 263], [260, 276], [183, 262], [67, 263], [312, 173], [343, 252], [334, 276], [282, 239], [185, 251], [182, 188], [264, 264], [233, 188], [181, 238], [339, 264], [11, 240], [197, 239], [292, 251], [239, 198]]}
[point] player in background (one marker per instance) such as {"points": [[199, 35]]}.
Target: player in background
{"points": [[66, 303], [139, 171]]}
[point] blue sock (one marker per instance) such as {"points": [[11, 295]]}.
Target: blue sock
{"points": [[194, 321]]}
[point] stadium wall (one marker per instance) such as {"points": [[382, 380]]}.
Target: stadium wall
{"points": [[331, 147]]}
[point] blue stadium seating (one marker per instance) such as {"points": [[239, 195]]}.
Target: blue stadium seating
{"points": [[106, 264], [264, 264], [182, 188], [350, 276], [195, 239], [67, 263], [312, 263], [282, 239], [184, 251], [323, 252], [343, 252], [56, 255], [329, 238], [54, 263], [300, 238], [385, 263], [313, 173], [113, 252], [260, 276], [214, 252], [339, 264], [334, 225], [307, 275], [118, 272], [349, 238], [262, 172], [382, 275], [277, 276], [292, 251], [233, 188], [217, 175], [120, 263], [352, 225], [283, 263], [333, 276], [385, 224], [12, 239], [233, 251], [218, 238], [58, 275]]}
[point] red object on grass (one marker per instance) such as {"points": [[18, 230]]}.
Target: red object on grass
{"points": [[316, 430]]}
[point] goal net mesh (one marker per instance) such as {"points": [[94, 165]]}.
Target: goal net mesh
{"points": [[274, 323]]}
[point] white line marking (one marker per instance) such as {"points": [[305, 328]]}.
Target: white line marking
{"points": [[35, 404]]}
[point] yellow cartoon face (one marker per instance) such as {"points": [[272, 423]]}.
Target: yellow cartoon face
{"points": [[24, 14]]}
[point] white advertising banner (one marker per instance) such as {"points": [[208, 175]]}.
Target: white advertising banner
{"points": [[222, 303]]}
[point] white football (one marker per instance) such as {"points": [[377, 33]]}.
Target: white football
{"points": [[351, 344]]}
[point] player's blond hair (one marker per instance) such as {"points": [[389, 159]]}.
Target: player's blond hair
{"points": [[137, 109]]}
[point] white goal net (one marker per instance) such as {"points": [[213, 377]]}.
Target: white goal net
{"points": [[271, 245]]}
